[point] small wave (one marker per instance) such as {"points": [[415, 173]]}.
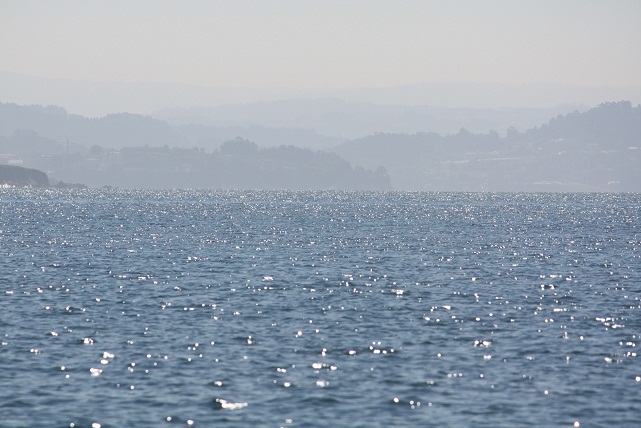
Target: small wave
{"points": [[221, 404]]}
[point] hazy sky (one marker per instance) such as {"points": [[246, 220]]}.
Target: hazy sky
{"points": [[324, 44]]}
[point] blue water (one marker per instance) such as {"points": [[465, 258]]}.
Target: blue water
{"points": [[195, 308]]}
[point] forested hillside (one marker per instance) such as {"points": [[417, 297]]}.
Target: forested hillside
{"points": [[237, 164], [597, 150]]}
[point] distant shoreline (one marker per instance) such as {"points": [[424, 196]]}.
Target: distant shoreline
{"points": [[14, 176]]}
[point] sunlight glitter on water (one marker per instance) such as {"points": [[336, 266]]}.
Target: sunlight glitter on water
{"points": [[400, 295]]}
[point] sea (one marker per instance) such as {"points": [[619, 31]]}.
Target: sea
{"points": [[148, 308]]}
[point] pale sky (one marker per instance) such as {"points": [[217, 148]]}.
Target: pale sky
{"points": [[304, 44]]}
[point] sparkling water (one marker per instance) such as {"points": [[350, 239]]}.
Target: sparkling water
{"points": [[198, 308]]}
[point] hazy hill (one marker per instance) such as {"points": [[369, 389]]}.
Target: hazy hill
{"points": [[315, 124], [125, 129], [597, 150], [594, 150], [611, 125], [340, 119], [113, 130], [95, 99], [237, 164], [198, 135]]}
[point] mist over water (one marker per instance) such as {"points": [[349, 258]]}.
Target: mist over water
{"points": [[198, 308]]}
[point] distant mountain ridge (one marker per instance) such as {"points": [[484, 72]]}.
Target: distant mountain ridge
{"points": [[340, 119], [593, 150], [114, 130], [314, 124], [128, 150], [91, 98]]}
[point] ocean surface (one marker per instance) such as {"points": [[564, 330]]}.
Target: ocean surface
{"points": [[338, 309]]}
